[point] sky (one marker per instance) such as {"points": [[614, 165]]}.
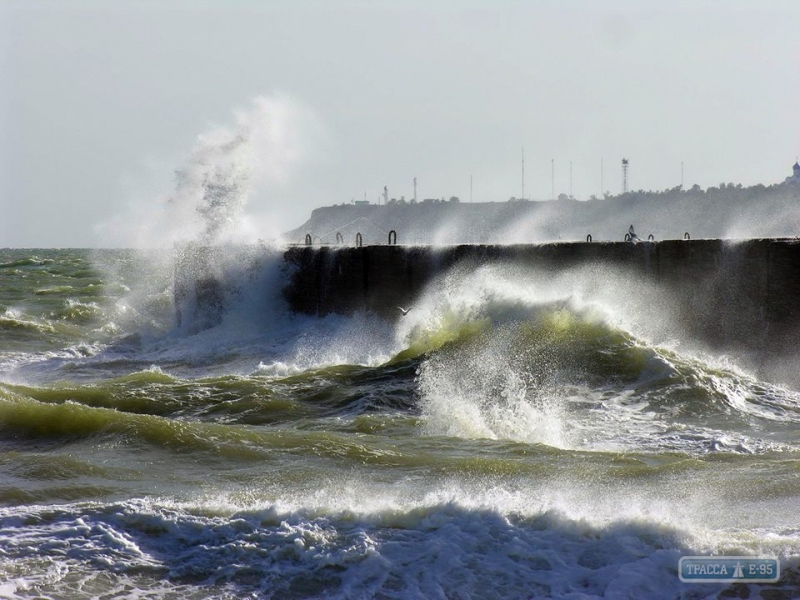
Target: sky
{"points": [[102, 103]]}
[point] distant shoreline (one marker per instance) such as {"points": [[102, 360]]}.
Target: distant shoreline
{"points": [[717, 212]]}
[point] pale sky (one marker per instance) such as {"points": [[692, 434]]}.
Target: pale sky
{"points": [[101, 102]]}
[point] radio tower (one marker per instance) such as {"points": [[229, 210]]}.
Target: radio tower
{"points": [[624, 175]]}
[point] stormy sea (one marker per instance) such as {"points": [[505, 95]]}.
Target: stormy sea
{"points": [[509, 437]]}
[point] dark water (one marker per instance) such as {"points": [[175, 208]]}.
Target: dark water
{"points": [[511, 437]]}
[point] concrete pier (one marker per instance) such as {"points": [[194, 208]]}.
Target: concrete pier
{"points": [[737, 296]]}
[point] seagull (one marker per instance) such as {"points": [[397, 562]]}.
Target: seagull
{"points": [[632, 233], [403, 310]]}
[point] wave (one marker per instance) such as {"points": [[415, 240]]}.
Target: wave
{"points": [[54, 290], [12, 320], [502, 358], [57, 423], [224, 416], [29, 261], [80, 312], [212, 549]]}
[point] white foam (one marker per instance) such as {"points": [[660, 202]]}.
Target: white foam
{"points": [[412, 546]]}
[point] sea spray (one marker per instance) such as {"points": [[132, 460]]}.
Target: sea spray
{"points": [[226, 190], [206, 215]]}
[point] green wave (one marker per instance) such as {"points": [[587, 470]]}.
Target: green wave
{"points": [[9, 322], [452, 330], [37, 466], [54, 290], [35, 420], [551, 335], [69, 420], [228, 399], [28, 261], [79, 313]]}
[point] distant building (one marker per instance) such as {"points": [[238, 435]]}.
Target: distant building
{"points": [[795, 178], [361, 203]]}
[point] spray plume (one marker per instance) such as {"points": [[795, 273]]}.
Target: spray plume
{"points": [[227, 165], [254, 156]]}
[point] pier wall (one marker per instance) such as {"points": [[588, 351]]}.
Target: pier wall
{"points": [[738, 296]]}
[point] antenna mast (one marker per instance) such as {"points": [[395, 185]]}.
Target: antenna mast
{"points": [[624, 175], [570, 180]]}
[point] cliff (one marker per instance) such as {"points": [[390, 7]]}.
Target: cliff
{"points": [[727, 211]]}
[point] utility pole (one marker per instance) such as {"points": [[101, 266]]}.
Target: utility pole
{"points": [[415, 190], [570, 180], [470, 189], [602, 183], [681, 174], [523, 172], [553, 178]]}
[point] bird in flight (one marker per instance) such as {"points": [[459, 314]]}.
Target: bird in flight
{"points": [[403, 310]]}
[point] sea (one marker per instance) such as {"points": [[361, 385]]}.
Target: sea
{"points": [[510, 437]]}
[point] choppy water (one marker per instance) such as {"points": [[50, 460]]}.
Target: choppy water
{"points": [[508, 438]]}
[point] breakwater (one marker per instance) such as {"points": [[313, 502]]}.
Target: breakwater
{"points": [[740, 296]]}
